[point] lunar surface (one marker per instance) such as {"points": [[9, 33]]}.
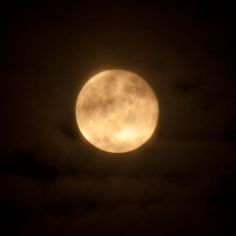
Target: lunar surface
{"points": [[117, 111]]}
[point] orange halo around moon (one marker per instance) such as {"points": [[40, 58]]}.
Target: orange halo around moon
{"points": [[117, 111]]}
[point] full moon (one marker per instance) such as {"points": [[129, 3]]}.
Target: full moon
{"points": [[117, 111]]}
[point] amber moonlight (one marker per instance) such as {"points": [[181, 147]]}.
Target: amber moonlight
{"points": [[117, 111]]}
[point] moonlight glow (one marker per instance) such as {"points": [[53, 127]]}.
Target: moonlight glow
{"points": [[117, 111]]}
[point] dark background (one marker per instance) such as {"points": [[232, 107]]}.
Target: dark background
{"points": [[181, 182]]}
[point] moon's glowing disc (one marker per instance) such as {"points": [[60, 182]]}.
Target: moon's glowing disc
{"points": [[117, 111]]}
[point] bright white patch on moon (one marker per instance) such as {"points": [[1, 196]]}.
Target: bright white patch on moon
{"points": [[117, 111]]}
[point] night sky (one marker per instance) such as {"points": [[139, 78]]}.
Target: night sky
{"points": [[181, 182]]}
